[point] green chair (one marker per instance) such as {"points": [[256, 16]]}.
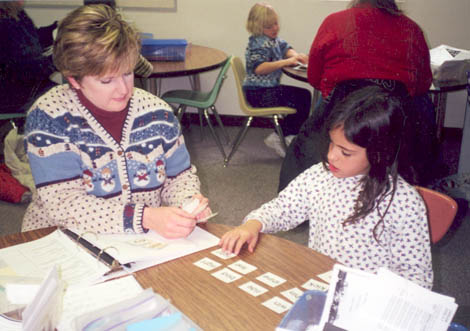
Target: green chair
{"points": [[11, 116], [204, 102]]}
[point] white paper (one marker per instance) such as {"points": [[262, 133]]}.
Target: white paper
{"points": [[271, 279], [207, 264], [444, 53], [36, 258], [150, 248], [226, 275], [79, 300], [242, 267], [326, 276], [223, 255], [293, 294], [253, 288], [313, 284], [359, 301], [7, 324], [277, 304]]}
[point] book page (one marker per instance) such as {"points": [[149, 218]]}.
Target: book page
{"points": [[150, 248], [359, 301], [36, 258]]}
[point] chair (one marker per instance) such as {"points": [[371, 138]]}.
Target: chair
{"points": [[204, 102], [11, 116], [441, 212], [273, 112]]}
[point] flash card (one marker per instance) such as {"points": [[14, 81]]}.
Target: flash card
{"points": [[253, 288], [221, 254], [226, 275], [293, 294], [242, 267], [207, 264], [271, 279], [313, 284], [326, 276], [277, 304]]}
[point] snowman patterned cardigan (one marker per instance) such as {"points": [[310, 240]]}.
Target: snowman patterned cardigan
{"points": [[87, 181]]}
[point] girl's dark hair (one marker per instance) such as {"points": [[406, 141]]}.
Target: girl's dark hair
{"points": [[372, 118], [388, 6]]}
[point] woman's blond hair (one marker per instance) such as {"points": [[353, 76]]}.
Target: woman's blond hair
{"points": [[93, 41], [261, 16]]}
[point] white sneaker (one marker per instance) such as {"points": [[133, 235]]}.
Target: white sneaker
{"points": [[289, 139], [273, 141]]}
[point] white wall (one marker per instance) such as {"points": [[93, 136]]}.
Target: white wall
{"points": [[220, 24]]}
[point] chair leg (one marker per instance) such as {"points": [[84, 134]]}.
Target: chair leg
{"points": [[219, 121], [279, 132], [180, 112], [214, 134], [238, 139], [201, 122]]}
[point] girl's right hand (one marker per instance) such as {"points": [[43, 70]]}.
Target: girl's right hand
{"points": [[232, 241]]}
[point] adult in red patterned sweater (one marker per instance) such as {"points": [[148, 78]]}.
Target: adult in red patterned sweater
{"points": [[371, 39], [371, 42]]}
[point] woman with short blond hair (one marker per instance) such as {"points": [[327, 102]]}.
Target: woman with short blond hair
{"points": [[105, 156]]}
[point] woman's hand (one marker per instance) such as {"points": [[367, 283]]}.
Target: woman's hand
{"points": [[170, 222], [248, 232], [202, 210]]}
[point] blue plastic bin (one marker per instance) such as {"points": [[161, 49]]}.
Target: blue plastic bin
{"points": [[164, 49]]}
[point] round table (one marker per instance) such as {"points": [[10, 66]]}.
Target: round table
{"points": [[301, 75], [198, 59]]}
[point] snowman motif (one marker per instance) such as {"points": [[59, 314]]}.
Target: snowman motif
{"points": [[141, 177], [88, 180], [107, 180], [160, 171]]}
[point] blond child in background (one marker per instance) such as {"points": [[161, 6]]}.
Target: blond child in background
{"points": [[266, 55]]}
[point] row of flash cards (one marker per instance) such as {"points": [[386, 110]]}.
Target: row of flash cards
{"points": [[237, 269]]}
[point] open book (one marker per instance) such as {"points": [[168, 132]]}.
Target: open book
{"points": [[80, 264]]}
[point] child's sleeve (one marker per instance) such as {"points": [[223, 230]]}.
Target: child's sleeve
{"points": [[290, 208], [410, 243]]}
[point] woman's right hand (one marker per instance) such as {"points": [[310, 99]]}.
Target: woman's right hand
{"points": [[233, 241], [170, 222]]}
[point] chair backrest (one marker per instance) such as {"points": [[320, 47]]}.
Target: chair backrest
{"points": [[441, 210], [218, 82], [239, 74]]}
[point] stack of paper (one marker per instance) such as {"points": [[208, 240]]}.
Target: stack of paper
{"points": [[449, 65], [358, 300]]}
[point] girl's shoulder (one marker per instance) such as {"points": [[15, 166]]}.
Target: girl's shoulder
{"points": [[406, 192]]}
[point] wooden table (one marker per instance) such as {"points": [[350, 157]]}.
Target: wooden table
{"points": [[198, 59], [213, 304]]}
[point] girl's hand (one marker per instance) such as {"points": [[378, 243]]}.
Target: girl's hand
{"points": [[232, 241], [291, 61], [170, 222], [302, 58]]}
